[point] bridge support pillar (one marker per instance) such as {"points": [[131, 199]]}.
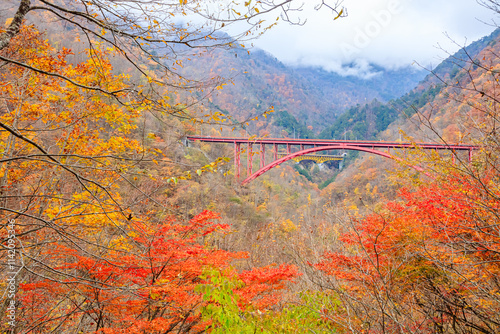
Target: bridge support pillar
{"points": [[275, 152], [249, 159], [237, 163], [262, 155], [470, 155]]}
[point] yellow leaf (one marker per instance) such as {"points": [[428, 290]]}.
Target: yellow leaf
{"points": [[340, 13]]}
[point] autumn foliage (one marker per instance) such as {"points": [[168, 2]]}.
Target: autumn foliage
{"points": [[110, 238], [144, 282], [96, 252], [426, 263]]}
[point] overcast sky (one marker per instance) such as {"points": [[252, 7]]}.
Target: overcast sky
{"points": [[391, 33]]}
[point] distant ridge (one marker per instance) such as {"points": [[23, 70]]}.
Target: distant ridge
{"points": [[313, 96]]}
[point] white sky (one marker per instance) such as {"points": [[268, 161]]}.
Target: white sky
{"points": [[391, 33]]}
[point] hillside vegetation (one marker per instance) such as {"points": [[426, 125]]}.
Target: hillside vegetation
{"points": [[109, 224], [314, 97]]}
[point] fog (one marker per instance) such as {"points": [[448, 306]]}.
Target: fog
{"points": [[389, 33]]}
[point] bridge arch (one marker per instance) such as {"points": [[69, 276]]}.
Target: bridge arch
{"points": [[317, 149], [373, 147]]}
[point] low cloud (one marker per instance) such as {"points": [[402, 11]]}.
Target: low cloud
{"points": [[388, 33]]}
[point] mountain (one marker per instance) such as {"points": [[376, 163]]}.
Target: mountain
{"points": [[306, 100], [450, 67], [313, 96], [464, 82], [366, 121], [453, 104]]}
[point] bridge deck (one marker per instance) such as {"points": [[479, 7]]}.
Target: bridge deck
{"points": [[340, 143], [308, 146]]}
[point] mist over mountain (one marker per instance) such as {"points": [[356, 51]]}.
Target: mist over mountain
{"points": [[313, 96], [444, 108]]}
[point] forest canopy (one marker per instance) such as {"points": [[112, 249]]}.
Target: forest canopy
{"points": [[108, 224]]}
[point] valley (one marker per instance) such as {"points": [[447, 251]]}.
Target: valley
{"points": [[130, 202]]}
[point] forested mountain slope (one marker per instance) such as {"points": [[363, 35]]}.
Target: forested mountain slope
{"points": [[440, 109], [418, 252], [314, 97], [366, 121], [110, 224]]}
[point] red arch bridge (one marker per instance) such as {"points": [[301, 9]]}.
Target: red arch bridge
{"points": [[308, 146]]}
